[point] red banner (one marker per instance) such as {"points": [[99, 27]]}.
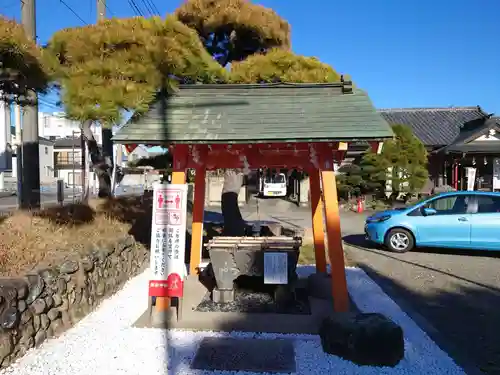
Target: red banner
{"points": [[172, 287]]}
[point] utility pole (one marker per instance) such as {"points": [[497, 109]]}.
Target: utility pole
{"points": [[19, 154], [107, 133], [30, 195], [101, 10], [5, 139], [17, 119]]}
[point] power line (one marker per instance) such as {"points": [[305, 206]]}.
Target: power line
{"points": [[148, 7], [135, 8], [10, 5], [153, 6], [8, 8], [49, 105], [73, 11], [109, 10]]}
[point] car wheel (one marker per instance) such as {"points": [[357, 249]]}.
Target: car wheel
{"points": [[399, 240]]}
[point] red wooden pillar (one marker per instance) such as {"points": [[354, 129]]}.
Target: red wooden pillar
{"points": [[317, 220], [332, 219], [335, 248], [197, 226]]}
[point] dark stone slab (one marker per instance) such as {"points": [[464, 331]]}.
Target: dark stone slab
{"points": [[256, 355], [365, 339]]}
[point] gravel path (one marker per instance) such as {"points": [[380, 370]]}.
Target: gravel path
{"points": [[105, 343], [456, 293]]}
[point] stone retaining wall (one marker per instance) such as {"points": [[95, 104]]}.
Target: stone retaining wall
{"points": [[48, 301]]}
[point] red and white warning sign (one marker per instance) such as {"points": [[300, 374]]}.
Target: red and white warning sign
{"points": [[168, 240], [168, 204]]}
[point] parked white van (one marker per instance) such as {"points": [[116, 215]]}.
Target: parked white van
{"points": [[273, 185]]}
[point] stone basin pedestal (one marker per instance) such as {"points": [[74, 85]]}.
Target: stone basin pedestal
{"points": [[232, 257]]}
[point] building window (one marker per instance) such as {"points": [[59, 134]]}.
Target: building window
{"points": [[46, 150]]}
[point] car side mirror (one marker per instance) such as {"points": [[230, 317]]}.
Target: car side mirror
{"points": [[429, 211]]}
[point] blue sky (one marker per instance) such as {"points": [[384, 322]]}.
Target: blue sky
{"points": [[405, 53]]}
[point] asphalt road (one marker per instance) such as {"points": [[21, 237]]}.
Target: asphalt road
{"points": [[10, 202], [453, 295]]}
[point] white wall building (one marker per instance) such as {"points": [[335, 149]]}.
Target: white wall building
{"points": [[55, 125], [46, 154]]}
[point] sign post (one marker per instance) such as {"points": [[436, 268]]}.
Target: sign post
{"points": [[471, 178], [168, 241], [496, 174]]}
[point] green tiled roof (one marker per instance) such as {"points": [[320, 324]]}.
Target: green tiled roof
{"points": [[258, 113]]}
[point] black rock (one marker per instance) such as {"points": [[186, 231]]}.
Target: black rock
{"points": [[124, 243], [365, 339], [319, 285], [207, 278], [9, 318], [36, 287], [87, 263], [69, 267]]}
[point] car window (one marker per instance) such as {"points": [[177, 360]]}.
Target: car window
{"points": [[488, 204], [449, 205]]}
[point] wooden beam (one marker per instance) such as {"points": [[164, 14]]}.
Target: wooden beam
{"points": [[254, 160], [317, 220], [334, 236], [197, 226]]}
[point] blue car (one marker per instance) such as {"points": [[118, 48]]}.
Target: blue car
{"points": [[461, 220]]}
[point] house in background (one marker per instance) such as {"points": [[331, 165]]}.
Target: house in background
{"points": [[477, 147], [68, 160], [56, 125], [46, 153], [142, 152], [134, 176], [456, 138]]}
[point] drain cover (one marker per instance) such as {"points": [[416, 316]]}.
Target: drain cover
{"points": [[256, 355]]}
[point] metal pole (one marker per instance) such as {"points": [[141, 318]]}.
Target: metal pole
{"points": [[84, 166], [60, 191], [31, 157]]}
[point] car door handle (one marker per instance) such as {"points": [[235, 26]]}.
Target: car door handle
{"points": [[462, 219]]}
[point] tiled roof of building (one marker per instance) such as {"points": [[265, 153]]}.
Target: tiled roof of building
{"points": [[258, 113], [45, 141], [435, 127], [465, 142], [67, 142]]}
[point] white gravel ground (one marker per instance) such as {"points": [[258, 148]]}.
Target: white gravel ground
{"points": [[105, 343]]}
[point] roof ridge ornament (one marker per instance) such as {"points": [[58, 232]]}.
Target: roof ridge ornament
{"points": [[346, 85]]}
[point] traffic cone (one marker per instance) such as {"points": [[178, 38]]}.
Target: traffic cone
{"points": [[360, 207]]}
